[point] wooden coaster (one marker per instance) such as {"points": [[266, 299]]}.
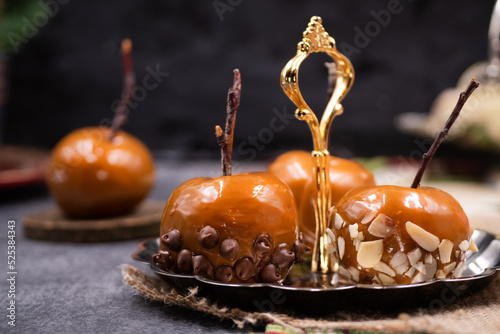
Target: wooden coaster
{"points": [[51, 224]]}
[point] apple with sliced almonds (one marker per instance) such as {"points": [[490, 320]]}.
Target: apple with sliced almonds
{"points": [[396, 235]]}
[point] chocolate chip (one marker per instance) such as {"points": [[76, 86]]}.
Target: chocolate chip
{"points": [[202, 266], [283, 256], [208, 237], [244, 269], [224, 273], [229, 248], [262, 246], [172, 240], [184, 261], [163, 260], [300, 248], [270, 274]]}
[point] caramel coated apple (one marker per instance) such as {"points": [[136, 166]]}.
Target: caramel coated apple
{"points": [[239, 228], [91, 176], [390, 235], [295, 169]]}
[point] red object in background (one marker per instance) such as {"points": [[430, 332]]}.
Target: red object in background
{"points": [[22, 166]]}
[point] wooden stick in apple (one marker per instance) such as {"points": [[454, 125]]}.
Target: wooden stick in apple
{"points": [[426, 158], [129, 83], [225, 138]]}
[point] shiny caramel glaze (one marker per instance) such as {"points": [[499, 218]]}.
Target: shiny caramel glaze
{"points": [[432, 209], [245, 209], [91, 177], [295, 169]]}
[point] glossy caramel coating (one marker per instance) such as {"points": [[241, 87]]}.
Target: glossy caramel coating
{"points": [[244, 224], [427, 226], [91, 177], [295, 169]]}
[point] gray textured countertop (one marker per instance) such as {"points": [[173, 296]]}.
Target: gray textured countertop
{"points": [[78, 288]]}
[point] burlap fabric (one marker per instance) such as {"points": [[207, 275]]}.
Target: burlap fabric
{"points": [[478, 313]]}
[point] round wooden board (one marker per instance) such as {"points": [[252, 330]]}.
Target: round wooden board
{"points": [[51, 224]]}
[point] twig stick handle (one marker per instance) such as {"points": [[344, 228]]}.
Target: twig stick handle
{"points": [[225, 138], [129, 83], [439, 139]]}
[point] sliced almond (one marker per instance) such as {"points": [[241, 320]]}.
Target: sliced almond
{"points": [[356, 243], [420, 277], [368, 217], [354, 272], [410, 272], [370, 253], [449, 268], [386, 280], [445, 249], [380, 226], [339, 222], [353, 231], [360, 236], [473, 247], [420, 266], [464, 246], [399, 263], [384, 268], [330, 249], [341, 244], [430, 267], [440, 274], [331, 236], [424, 239], [414, 256]]}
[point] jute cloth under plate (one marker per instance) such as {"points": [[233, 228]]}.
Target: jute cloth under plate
{"points": [[478, 313]]}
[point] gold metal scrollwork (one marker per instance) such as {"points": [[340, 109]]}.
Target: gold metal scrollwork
{"points": [[316, 39]]}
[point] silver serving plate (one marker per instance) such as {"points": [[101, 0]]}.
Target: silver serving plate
{"points": [[480, 269]]}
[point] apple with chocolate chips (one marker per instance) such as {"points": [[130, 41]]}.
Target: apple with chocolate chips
{"points": [[237, 228]]}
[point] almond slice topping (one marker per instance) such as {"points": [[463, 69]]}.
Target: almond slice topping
{"points": [[449, 268], [384, 268], [379, 226], [339, 222], [368, 217], [473, 247], [399, 262], [464, 246], [424, 239], [341, 244], [445, 249], [370, 253], [414, 256], [353, 231], [386, 280]]}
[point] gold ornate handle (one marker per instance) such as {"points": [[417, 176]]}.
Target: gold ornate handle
{"points": [[316, 39]]}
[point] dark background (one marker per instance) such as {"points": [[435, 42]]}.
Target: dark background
{"points": [[69, 74]]}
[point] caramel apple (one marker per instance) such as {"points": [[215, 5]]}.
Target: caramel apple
{"points": [[295, 168], [234, 228], [392, 235], [99, 171]]}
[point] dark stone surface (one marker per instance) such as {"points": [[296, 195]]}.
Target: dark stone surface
{"points": [[69, 74], [78, 288]]}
